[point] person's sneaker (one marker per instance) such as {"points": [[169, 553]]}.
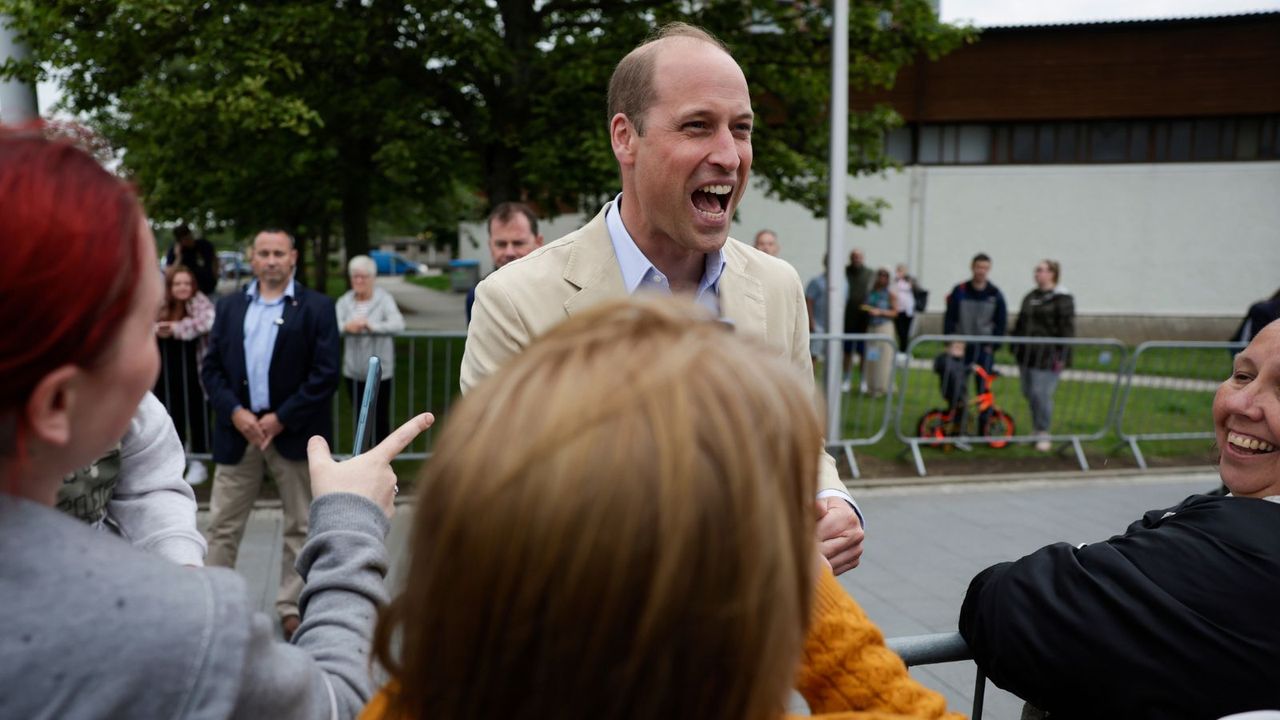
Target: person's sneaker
{"points": [[1044, 444], [963, 446], [196, 473], [846, 386]]}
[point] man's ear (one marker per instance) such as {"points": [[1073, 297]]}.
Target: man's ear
{"points": [[52, 402], [622, 134]]}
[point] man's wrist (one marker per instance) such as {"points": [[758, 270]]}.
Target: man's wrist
{"points": [[832, 492]]}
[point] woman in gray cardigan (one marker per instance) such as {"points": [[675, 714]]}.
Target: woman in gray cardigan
{"points": [[93, 627], [368, 315]]}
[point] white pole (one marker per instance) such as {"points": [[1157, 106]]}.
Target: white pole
{"points": [[837, 199], [17, 97]]}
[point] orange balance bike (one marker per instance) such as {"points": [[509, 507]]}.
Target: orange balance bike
{"points": [[946, 422]]}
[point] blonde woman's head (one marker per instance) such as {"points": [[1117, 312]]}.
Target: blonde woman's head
{"points": [[618, 524]]}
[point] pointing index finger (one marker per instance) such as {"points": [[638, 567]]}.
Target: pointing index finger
{"points": [[399, 439]]}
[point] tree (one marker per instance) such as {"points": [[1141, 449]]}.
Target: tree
{"points": [[312, 113]]}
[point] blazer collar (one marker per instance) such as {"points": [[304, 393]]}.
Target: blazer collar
{"points": [[593, 269]]}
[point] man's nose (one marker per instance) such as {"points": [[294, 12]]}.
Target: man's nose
{"points": [[724, 151]]}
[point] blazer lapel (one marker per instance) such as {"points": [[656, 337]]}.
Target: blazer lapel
{"points": [[593, 267], [741, 295], [290, 312]]}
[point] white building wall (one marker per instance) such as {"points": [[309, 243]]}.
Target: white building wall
{"points": [[1172, 239], [1185, 239]]}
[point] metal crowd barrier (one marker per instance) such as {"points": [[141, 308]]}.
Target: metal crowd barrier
{"points": [[1089, 370], [866, 404], [1167, 392], [1161, 393], [938, 648], [425, 380]]}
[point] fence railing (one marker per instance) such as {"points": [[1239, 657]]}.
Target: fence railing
{"points": [[1161, 393], [938, 648], [1167, 391]]}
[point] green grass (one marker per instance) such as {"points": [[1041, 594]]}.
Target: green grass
{"points": [[1081, 408], [432, 282]]}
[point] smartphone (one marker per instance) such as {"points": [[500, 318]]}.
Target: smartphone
{"points": [[368, 405]]}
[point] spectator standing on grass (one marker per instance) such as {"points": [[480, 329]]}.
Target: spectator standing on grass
{"points": [[859, 279], [197, 255], [368, 315], [271, 370], [513, 233], [904, 289], [815, 300], [977, 307], [182, 332], [881, 309], [1047, 311]]}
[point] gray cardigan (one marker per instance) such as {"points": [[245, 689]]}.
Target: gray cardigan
{"points": [[384, 318], [95, 628]]}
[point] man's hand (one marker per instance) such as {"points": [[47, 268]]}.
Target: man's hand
{"points": [[164, 328], [839, 533], [247, 423], [355, 325], [271, 427], [368, 475]]}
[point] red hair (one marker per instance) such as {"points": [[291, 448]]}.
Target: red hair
{"points": [[68, 262]]}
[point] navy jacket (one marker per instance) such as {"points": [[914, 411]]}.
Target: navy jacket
{"points": [[303, 373]]}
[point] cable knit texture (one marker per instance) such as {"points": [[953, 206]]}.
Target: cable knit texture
{"points": [[847, 673]]}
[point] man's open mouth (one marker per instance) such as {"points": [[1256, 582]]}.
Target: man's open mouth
{"points": [[712, 200], [1249, 445]]}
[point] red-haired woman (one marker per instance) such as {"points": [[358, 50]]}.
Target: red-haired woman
{"points": [[77, 354], [183, 332]]}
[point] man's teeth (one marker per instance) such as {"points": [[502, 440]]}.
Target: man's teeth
{"points": [[717, 189], [1249, 443]]}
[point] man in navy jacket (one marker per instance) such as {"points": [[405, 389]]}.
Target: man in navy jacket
{"points": [[270, 373]]}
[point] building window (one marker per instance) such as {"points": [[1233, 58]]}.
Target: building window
{"points": [[1098, 141]]}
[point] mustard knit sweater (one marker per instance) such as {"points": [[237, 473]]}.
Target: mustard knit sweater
{"points": [[847, 672]]}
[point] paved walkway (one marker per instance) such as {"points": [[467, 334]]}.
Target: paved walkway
{"points": [[925, 542], [426, 309]]}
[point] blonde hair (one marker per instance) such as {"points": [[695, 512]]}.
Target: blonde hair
{"points": [[618, 524]]}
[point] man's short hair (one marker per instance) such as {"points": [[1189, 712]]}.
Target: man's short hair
{"points": [[631, 86], [766, 231], [181, 231], [504, 211], [980, 257], [293, 241]]}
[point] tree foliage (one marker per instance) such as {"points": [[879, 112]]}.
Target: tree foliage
{"points": [[315, 114]]}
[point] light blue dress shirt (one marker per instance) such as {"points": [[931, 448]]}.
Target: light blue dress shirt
{"points": [[262, 323], [640, 275]]}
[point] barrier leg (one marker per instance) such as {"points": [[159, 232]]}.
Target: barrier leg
{"points": [[1084, 462], [915, 453], [979, 692], [853, 463], [1137, 453]]}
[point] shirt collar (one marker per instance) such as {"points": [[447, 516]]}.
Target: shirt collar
{"points": [[252, 290], [636, 267]]}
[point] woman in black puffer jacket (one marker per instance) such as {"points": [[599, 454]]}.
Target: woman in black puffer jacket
{"points": [[1047, 311]]}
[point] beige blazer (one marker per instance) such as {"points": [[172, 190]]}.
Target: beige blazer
{"points": [[761, 294]]}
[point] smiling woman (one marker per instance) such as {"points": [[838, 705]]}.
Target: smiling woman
{"points": [[1173, 618]]}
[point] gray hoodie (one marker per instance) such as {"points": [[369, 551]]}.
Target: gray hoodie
{"points": [[92, 627]]}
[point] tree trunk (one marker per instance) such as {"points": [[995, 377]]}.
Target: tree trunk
{"points": [[355, 217], [322, 256]]}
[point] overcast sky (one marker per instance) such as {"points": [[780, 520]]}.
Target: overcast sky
{"points": [[1030, 12], [1027, 12]]}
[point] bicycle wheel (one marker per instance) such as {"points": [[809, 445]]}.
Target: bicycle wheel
{"points": [[932, 424], [999, 425]]}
